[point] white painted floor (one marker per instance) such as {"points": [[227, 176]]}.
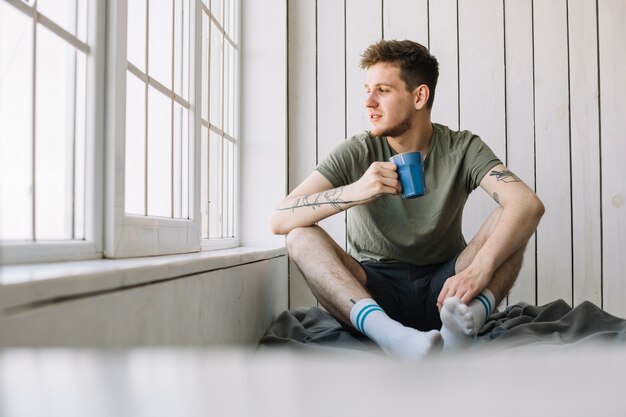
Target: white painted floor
{"points": [[234, 382]]}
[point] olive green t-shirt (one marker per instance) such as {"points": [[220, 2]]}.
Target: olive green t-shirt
{"points": [[424, 230]]}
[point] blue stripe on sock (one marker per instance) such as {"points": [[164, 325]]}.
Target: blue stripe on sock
{"points": [[360, 318], [360, 314], [365, 315], [486, 303]]}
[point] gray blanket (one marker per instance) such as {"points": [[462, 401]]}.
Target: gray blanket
{"points": [[519, 325]]}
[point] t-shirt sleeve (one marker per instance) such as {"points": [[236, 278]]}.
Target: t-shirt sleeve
{"points": [[479, 159], [340, 167]]}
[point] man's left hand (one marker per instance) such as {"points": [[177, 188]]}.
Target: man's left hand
{"points": [[466, 285]]}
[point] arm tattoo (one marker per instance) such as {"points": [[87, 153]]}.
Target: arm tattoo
{"points": [[506, 176], [496, 198], [329, 197]]}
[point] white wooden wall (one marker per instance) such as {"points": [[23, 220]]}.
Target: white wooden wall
{"points": [[542, 82]]}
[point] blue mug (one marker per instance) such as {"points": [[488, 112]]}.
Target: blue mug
{"points": [[411, 172]]}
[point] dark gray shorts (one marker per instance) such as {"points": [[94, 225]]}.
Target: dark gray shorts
{"points": [[408, 293]]}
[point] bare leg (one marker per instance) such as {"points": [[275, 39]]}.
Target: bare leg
{"points": [[338, 282], [333, 276]]}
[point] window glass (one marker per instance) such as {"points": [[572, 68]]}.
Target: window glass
{"points": [[71, 15], [136, 34], [159, 154], [16, 134], [181, 48], [216, 10], [215, 77], [204, 180], [181, 162], [219, 140], [215, 185], [54, 129], [229, 90], [135, 166], [50, 116], [229, 200], [43, 120], [158, 114], [160, 38], [205, 66]]}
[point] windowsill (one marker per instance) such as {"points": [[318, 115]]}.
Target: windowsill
{"points": [[36, 284]]}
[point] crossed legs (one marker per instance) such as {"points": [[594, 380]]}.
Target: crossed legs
{"points": [[339, 283]]}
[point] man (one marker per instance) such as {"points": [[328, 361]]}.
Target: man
{"points": [[409, 269]]}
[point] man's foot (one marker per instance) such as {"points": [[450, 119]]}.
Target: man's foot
{"points": [[393, 338], [459, 325], [410, 344], [461, 322]]}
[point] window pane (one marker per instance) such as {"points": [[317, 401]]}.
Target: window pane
{"points": [[229, 90], [220, 153], [159, 154], [160, 34], [181, 161], [16, 42], [216, 10], [224, 195], [204, 180], [136, 37], [229, 18], [185, 168], [215, 185], [135, 146], [181, 49], [205, 67], [54, 148], [79, 146], [229, 186], [66, 13], [215, 92], [82, 20]]}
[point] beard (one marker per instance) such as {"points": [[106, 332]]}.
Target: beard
{"points": [[393, 131]]}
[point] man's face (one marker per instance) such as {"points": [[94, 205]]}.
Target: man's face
{"points": [[389, 104]]}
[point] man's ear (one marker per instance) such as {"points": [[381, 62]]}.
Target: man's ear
{"points": [[421, 95]]}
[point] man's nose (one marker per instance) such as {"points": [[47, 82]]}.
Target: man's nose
{"points": [[370, 100]]}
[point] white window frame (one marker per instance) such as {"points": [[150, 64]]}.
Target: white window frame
{"points": [[128, 235], [228, 242], [91, 246], [109, 231]]}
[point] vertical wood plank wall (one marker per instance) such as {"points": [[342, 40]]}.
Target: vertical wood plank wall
{"points": [[542, 82], [520, 122]]}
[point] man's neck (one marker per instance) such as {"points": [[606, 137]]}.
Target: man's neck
{"points": [[413, 140]]}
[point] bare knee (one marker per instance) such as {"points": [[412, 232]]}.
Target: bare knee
{"points": [[297, 240]]}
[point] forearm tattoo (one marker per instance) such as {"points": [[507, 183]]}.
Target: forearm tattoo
{"points": [[329, 197], [505, 175]]}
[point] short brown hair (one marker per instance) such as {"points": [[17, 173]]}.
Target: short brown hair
{"points": [[417, 65]]}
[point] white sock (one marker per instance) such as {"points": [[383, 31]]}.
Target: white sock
{"points": [[393, 338], [461, 322]]}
